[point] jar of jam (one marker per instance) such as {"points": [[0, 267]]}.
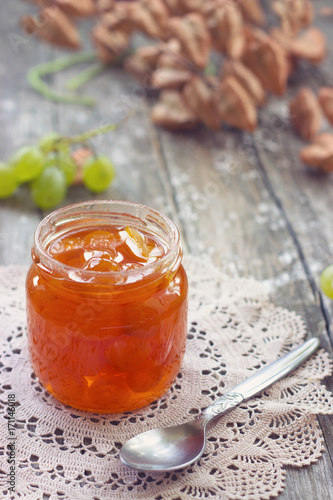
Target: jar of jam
{"points": [[106, 305]]}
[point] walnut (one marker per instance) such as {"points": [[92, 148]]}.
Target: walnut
{"points": [[77, 8], [199, 97], [267, 60], [252, 11], [325, 96], [110, 43], [234, 105], [193, 36], [226, 26], [295, 15], [305, 113], [311, 45], [150, 16], [52, 25], [320, 153], [171, 112], [247, 79]]}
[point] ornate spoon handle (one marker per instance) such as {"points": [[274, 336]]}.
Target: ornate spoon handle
{"points": [[261, 379]]}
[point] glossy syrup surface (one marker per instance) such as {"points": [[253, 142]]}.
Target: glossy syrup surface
{"points": [[109, 248], [100, 348]]}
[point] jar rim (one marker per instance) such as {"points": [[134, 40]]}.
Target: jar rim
{"points": [[171, 257]]}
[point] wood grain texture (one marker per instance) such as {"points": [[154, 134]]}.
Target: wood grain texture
{"points": [[247, 201]]}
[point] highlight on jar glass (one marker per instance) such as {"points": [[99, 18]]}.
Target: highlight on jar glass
{"points": [[106, 305]]}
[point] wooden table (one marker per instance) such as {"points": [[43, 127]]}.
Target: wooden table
{"points": [[246, 200]]}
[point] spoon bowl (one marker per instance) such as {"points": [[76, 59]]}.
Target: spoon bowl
{"points": [[175, 447], [165, 449]]}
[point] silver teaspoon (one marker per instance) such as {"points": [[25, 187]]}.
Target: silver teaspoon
{"points": [[176, 447]]}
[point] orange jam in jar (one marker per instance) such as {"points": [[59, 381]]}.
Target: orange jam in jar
{"points": [[106, 305]]}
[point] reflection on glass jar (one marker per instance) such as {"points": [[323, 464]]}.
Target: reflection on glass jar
{"points": [[106, 305]]}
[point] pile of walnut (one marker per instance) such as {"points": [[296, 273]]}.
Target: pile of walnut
{"points": [[211, 60], [306, 111]]}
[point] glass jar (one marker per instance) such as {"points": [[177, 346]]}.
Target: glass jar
{"points": [[106, 341]]}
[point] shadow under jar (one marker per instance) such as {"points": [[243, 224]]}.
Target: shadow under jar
{"points": [[106, 305]]}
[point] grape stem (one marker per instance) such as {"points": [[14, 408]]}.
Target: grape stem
{"points": [[85, 76], [89, 135], [65, 142], [36, 73]]}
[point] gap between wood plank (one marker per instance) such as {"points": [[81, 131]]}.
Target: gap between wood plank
{"points": [[298, 246]]}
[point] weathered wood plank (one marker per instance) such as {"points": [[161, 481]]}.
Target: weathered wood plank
{"points": [[23, 117], [247, 233], [304, 194]]}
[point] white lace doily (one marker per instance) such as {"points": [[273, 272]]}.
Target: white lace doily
{"points": [[62, 453]]}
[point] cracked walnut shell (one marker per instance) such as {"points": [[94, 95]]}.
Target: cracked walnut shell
{"points": [[267, 60], [193, 36], [171, 112], [320, 153], [234, 105], [52, 25], [305, 113], [325, 97]]}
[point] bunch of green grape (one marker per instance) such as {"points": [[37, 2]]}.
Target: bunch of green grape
{"points": [[326, 281], [49, 169]]}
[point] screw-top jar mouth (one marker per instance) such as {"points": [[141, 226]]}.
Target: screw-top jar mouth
{"points": [[100, 213]]}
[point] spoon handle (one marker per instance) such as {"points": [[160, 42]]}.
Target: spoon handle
{"points": [[261, 379]]}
